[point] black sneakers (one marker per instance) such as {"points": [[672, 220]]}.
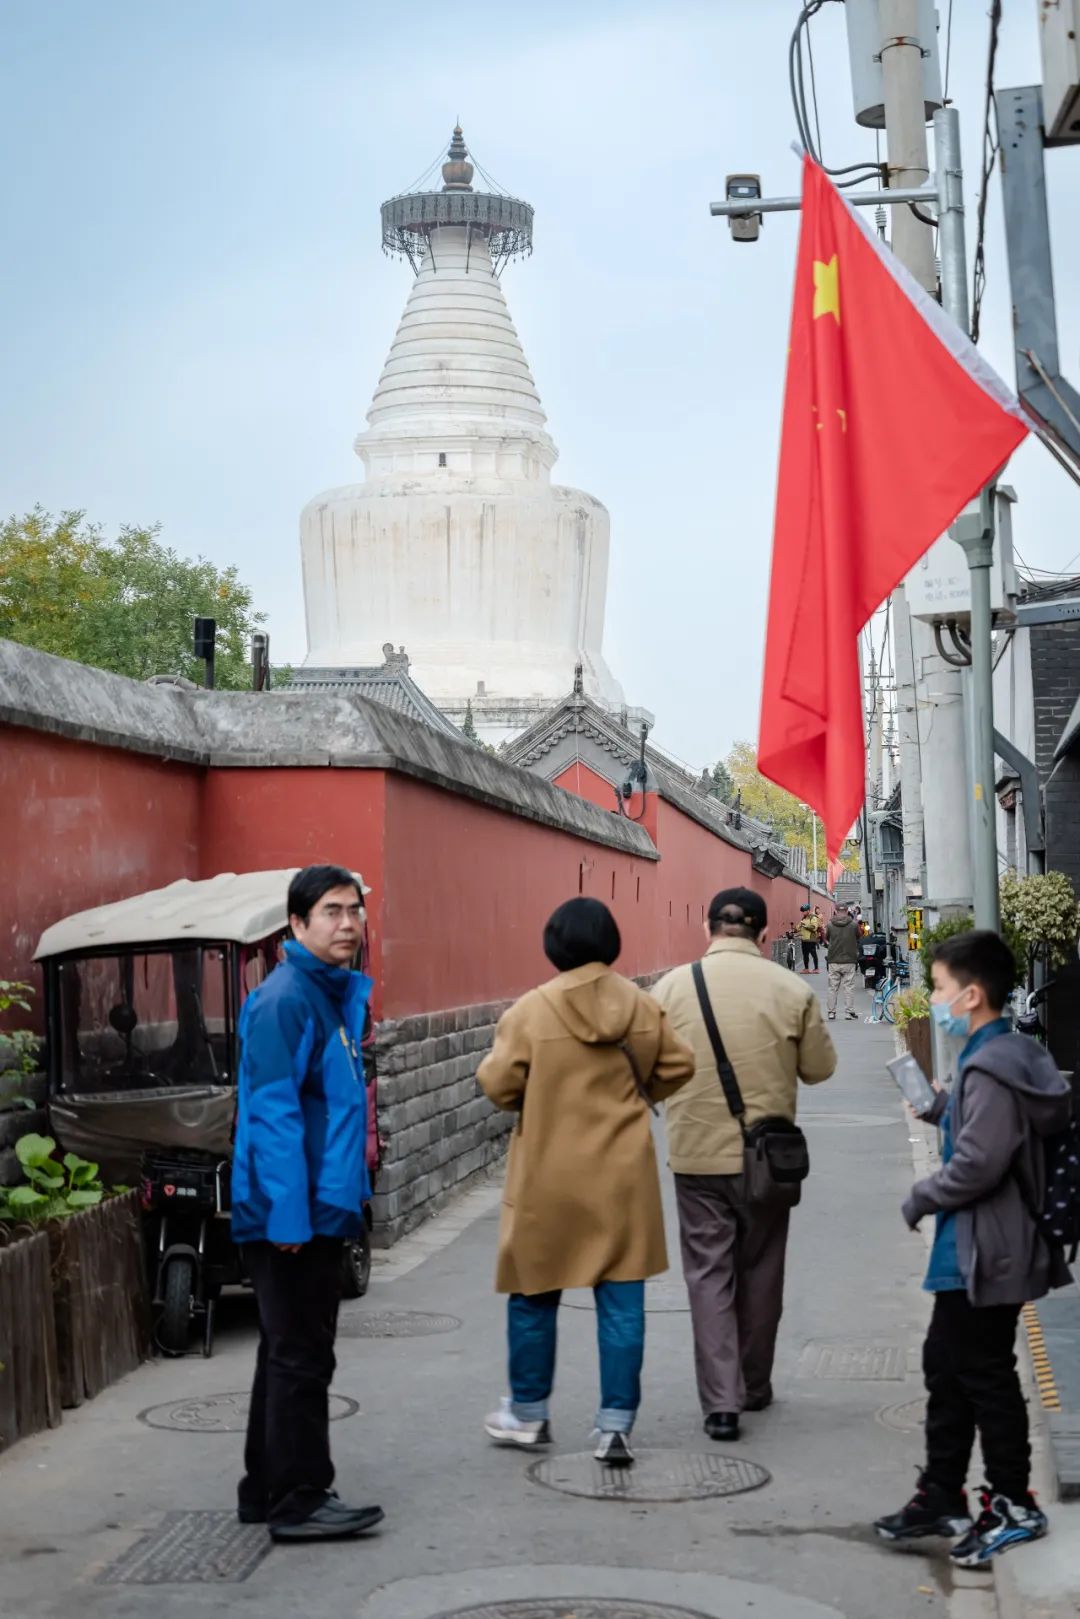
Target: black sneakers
{"points": [[931, 1511]]}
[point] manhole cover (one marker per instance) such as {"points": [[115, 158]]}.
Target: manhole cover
{"points": [[867, 1363], [203, 1548], [908, 1417], [574, 1608], [395, 1324], [658, 1475], [222, 1413], [661, 1298]]}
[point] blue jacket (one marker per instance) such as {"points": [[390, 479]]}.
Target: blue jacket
{"points": [[298, 1162]]}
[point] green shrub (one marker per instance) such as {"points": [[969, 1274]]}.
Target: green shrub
{"points": [[1042, 913], [952, 925]]}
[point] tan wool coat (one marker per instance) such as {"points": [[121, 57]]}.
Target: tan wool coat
{"points": [[582, 1197], [770, 1022]]}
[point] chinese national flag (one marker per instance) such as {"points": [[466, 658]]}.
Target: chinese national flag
{"points": [[893, 422]]}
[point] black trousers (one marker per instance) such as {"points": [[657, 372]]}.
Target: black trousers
{"points": [[969, 1363], [809, 952], [287, 1468]]}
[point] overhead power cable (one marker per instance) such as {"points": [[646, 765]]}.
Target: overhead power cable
{"points": [[797, 82], [991, 147]]}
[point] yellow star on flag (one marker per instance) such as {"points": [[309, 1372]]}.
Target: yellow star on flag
{"points": [[827, 288]]}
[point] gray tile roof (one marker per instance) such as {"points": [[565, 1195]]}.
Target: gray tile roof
{"points": [[391, 687]]}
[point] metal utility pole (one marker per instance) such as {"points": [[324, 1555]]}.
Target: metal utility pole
{"points": [[974, 532], [932, 751]]}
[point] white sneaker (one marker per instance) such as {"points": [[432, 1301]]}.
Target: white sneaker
{"points": [[614, 1450], [506, 1429]]}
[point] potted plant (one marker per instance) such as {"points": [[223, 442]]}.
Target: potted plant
{"points": [[911, 1010]]}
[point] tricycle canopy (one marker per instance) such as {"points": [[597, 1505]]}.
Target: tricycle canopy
{"points": [[142, 1003]]}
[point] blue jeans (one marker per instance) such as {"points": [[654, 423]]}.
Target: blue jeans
{"points": [[532, 1321]]}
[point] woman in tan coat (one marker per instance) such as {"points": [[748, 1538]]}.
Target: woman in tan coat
{"points": [[581, 1059]]}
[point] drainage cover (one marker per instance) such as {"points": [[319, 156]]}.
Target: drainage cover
{"points": [[574, 1608], [204, 1548], [395, 1324], [908, 1417], [222, 1413], [867, 1363], [661, 1298], [658, 1475]]}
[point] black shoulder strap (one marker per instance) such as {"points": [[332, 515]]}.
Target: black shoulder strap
{"points": [[732, 1093]]}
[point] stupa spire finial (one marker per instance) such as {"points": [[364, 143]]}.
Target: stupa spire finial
{"points": [[457, 171]]}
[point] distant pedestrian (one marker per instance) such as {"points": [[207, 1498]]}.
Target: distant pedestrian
{"points": [[733, 1244], [809, 937], [988, 1259], [581, 1060], [298, 1186], [842, 943]]}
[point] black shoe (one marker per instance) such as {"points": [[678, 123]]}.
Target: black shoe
{"points": [[722, 1425], [759, 1402], [931, 1511], [332, 1521], [248, 1513]]}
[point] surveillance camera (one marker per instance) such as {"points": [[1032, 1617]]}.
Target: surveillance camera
{"points": [[743, 227]]}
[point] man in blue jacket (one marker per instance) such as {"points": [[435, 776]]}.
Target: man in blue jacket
{"points": [[299, 1183]]}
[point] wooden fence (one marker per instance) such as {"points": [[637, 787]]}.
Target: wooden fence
{"points": [[99, 1297], [29, 1367], [74, 1313]]}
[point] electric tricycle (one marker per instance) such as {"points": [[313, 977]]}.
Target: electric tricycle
{"points": [[142, 1003]]}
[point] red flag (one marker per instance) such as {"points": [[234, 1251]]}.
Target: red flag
{"points": [[893, 422]]}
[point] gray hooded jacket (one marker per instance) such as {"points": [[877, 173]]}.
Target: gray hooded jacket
{"points": [[1008, 1097]]}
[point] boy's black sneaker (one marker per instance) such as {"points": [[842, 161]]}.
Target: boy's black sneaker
{"points": [[931, 1511]]}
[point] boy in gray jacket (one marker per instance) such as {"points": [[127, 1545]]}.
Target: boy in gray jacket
{"points": [[988, 1259]]}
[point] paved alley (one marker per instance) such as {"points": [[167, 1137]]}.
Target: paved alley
{"points": [[420, 1360]]}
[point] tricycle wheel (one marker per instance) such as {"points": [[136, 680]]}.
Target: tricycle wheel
{"points": [[174, 1327], [356, 1266]]}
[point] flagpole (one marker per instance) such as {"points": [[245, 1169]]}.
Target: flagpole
{"points": [[974, 532]]}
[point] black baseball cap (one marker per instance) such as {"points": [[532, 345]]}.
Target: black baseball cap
{"points": [[739, 907]]}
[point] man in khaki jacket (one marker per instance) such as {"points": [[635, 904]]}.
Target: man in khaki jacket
{"points": [[733, 1254]]}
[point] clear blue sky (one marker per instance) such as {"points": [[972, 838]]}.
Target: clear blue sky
{"points": [[195, 308]]}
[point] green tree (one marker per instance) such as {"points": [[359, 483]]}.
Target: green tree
{"points": [[722, 787], [791, 821], [468, 729], [124, 604]]}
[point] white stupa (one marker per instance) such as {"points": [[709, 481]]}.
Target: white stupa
{"points": [[458, 547]]}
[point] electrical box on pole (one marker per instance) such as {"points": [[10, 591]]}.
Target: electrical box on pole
{"points": [[864, 48], [939, 586], [1059, 40]]}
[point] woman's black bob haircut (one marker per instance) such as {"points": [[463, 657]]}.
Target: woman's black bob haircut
{"points": [[581, 931]]}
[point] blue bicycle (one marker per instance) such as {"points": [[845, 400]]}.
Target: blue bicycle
{"points": [[896, 977]]}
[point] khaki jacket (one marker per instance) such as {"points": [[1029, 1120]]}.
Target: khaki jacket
{"points": [[582, 1198], [809, 928], [773, 1034]]}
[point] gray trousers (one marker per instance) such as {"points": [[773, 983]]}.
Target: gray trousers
{"points": [[842, 976], [733, 1261]]}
